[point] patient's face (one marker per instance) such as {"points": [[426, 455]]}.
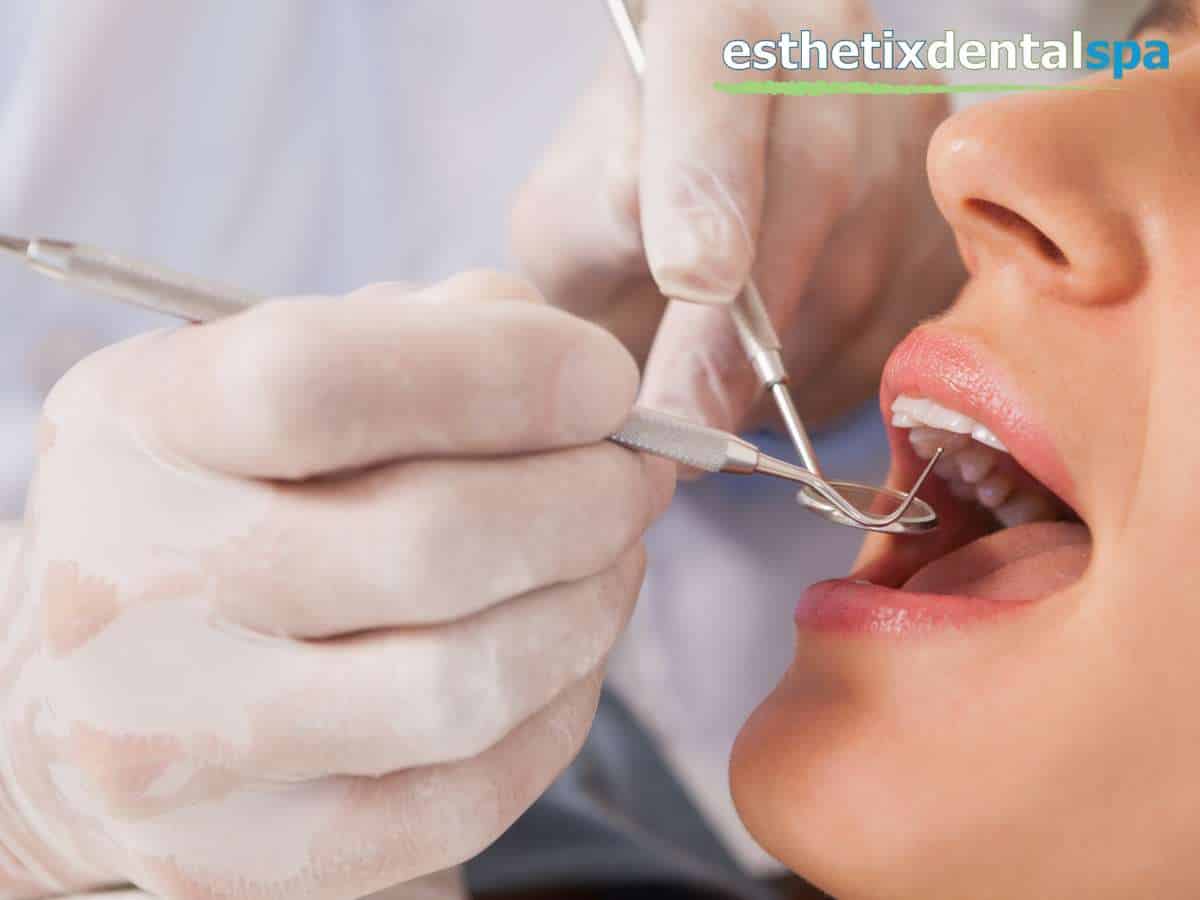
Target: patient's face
{"points": [[1016, 712]]}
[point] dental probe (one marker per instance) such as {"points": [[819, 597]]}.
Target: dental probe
{"points": [[755, 331], [653, 432]]}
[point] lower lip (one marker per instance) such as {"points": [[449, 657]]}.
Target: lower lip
{"points": [[855, 607]]}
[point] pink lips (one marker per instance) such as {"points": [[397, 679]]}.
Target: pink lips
{"points": [[853, 606], [958, 373]]}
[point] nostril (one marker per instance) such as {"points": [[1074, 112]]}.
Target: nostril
{"points": [[1014, 223]]}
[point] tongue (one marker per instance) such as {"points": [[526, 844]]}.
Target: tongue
{"points": [[1023, 563]]}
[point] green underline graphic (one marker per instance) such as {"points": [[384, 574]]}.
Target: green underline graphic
{"points": [[825, 88]]}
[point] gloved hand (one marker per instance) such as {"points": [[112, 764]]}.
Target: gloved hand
{"points": [[317, 599], [681, 191]]}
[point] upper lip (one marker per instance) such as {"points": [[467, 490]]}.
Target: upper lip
{"points": [[962, 374]]}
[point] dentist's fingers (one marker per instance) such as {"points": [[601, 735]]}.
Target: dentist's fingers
{"points": [[434, 541], [704, 153], [697, 368], [227, 705], [306, 387], [575, 225], [403, 814], [350, 836], [465, 685]]}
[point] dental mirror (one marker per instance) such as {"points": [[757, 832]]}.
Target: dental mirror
{"points": [[919, 518]]}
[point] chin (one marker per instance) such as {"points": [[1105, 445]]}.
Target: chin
{"points": [[815, 790]]}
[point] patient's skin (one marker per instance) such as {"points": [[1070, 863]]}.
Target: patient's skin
{"points": [[1053, 751]]}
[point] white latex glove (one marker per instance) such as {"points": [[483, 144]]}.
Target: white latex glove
{"points": [[442, 886], [315, 600], [681, 191]]}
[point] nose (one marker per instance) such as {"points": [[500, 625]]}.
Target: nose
{"points": [[1030, 185]]}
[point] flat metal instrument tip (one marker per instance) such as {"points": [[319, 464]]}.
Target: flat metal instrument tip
{"points": [[18, 246]]}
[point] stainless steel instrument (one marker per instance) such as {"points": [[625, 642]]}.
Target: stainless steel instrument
{"points": [[654, 432]]}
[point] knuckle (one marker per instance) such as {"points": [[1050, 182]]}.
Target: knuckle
{"points": [[84, 389], [470, 712], [385, 291], [485, 285], [280, 366]]}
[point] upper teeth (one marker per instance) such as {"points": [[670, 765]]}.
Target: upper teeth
{"points": [[975, 465], [912, 412]]}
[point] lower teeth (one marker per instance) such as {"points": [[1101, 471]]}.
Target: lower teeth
{"points": [[985, 475]]}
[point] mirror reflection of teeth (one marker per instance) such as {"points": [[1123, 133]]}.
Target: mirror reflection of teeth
{"points": [[976, 465]]}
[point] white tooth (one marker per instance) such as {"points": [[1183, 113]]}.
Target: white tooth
{"points": [[929, 413], [984, 435], [1025, 507], [912, 412], [925, 441], [994, 490], [915, 408], [934, 438], [924, 451], [975, 462], [948, 420]]}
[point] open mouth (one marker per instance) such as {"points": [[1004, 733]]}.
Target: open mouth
{"points": [[1011, 533]]}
